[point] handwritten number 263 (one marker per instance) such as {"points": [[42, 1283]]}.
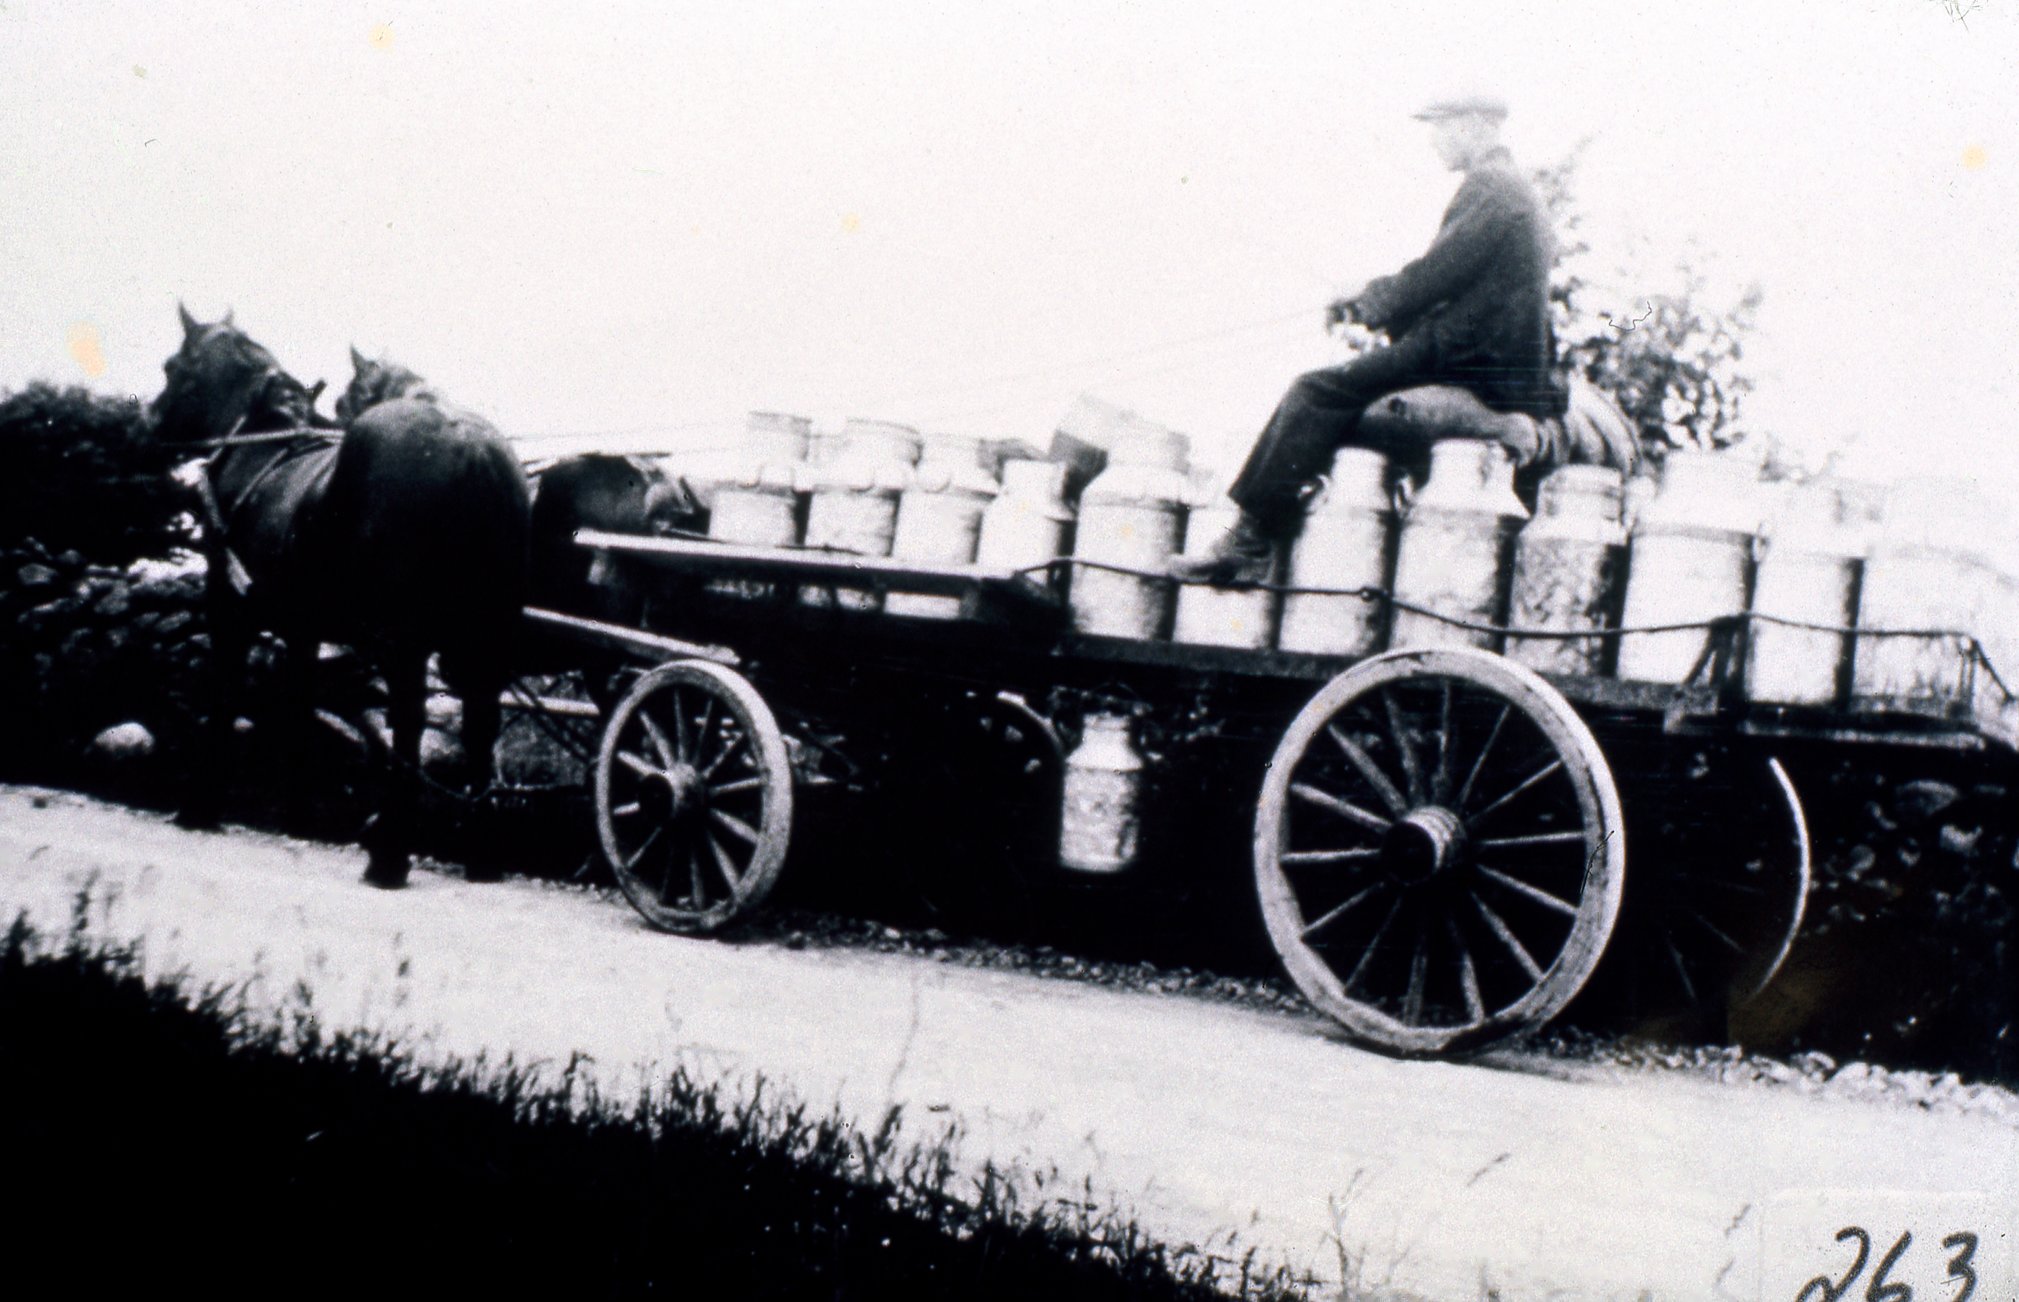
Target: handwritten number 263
{"points": [[1822, 1289]]}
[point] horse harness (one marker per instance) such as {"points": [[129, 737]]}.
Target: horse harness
{"points": [[301, 441]]}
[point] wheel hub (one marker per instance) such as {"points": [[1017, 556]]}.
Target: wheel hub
{"points": [[680, 789], [1423, 844]]}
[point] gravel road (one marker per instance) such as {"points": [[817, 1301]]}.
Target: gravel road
{"points": [[1537, 1175]]}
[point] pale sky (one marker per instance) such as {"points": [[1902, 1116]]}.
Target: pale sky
{"points": [[617, 217]]}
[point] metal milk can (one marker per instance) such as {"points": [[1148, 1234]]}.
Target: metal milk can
{"points": [[1569, 562], [776, 438], [1690, 560], [1347, 542], [1925, 570], [1099, 822], [853, 507], [1210, 616], [758, 509], [1027, 522], [756, 505], [939, 519], [1131, 516], [1455, 544], [1810, 556]]}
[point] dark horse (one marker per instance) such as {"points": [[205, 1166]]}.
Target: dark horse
{"points": [[594, 490], [402, 534]]}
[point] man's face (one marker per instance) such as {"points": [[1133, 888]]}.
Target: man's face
{"points": [[1460, 139]]}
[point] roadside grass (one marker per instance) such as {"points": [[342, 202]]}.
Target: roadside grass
{"points": [[157, 1135]]}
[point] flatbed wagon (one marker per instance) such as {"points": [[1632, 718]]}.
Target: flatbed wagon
{"points": [[1443, 842]]}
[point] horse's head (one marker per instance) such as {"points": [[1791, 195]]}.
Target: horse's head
{"points": [[220, 382], [374, 382]]}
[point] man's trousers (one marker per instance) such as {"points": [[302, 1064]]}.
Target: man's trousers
{"points": [[1319, 415]]}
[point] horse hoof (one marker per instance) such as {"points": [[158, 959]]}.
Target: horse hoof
{"points": [[388, 874]]}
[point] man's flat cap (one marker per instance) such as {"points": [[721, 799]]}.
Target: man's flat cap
{"points": [[1486, 106]]}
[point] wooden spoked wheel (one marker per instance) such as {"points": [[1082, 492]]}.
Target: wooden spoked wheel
{"points": [[693, 796], [1439, 850], [1722, 880]]}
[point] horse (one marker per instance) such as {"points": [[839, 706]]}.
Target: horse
{"points": [[591, 490], [400, 533]]}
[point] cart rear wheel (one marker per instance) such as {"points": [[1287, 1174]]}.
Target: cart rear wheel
{"points": [[1439, 850], [693, 796], [1721, 885]]}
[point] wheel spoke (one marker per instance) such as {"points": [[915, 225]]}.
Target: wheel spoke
{"points": [[1681, 968], [1468, 975], [1544, 898], [631, 860], [736, 825], [1507, 938], [1403, 750], [1717, 931], [739, 784], [1351, 812], [1364, 762], [700, 892], [637, 764], [704, 730], [666, 881], [1317, 858], [683, 742], [1479, 763], [725, 865], [1537, 838], [1412, 999], [659, 742], [1338, 911], [736, 744], [626, 809], [1373, 943], [1554, 766]]}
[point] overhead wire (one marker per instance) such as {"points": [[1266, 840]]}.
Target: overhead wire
{"points": [[1054, 372]]}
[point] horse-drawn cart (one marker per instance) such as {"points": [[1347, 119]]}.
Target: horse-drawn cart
{"points": [[1444, 841]]}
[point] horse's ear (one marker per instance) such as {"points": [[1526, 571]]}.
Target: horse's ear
{"points": [[227, 317], [358, 362], [189, 325]]}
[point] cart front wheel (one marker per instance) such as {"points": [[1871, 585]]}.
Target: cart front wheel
{"points": [[1439, 850], [693, 796]]}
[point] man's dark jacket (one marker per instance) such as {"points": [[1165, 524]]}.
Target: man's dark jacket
{"points": [[1480, 294]]}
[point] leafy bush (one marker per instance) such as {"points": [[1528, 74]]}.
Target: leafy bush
{"points": [[84, 473], [1664, 343]]}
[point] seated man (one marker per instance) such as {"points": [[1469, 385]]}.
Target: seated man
{"points": [[1472, 312]]}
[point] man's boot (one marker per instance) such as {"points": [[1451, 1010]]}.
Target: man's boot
{"points": [[1242, 555]]}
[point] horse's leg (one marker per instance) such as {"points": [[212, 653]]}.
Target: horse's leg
{"points": [[230, 638], [477, 680], [391, 840]]}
